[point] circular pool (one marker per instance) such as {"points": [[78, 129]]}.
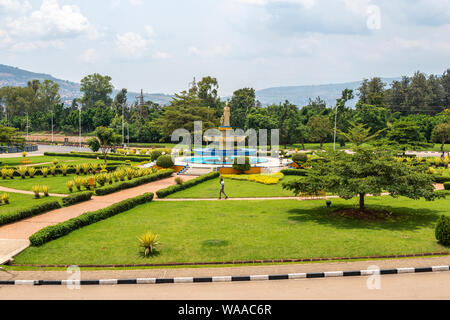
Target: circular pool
{"points": [[217, 160]]}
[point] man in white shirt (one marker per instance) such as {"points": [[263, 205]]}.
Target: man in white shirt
{"points": [[222, 189]]}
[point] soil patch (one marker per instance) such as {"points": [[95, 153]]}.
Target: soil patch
{"points": [[366, 215]]}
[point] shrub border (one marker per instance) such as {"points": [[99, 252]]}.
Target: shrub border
{"points": [[64, 228], [8, 218]]}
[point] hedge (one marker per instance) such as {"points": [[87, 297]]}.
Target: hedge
{"points": [[447, 186], [443, 231], [110, 167], [30, 212], [135, 182], [294, 172], [57, 231], [101, 157], [77, 198], [440, 179], [188, 184]]}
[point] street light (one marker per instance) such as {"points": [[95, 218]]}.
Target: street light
{"points": [[335, 128], [123, 124], [53, 140], [79, 120]]}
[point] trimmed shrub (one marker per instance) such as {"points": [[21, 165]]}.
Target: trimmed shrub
{"points": [[443, 230], [155, 155], [136, 158], [241, 165], [441, 179], [57, 231], [27, 213], [134, 183], [299, 158], [187, 184], [77, 198], [447, 186], [165, 162], [295, 172]]}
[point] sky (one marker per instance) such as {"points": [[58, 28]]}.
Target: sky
{"points": [[160, 46]]}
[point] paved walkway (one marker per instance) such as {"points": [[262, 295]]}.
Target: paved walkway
{"points": [[23, 229], [228, 271]]}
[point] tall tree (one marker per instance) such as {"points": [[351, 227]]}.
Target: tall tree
{"points": [[369, 171], [319, 129], [96, 87], [372, 92], [241, 104], [442, 134]]}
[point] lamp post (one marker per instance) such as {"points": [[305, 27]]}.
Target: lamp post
{"points": [[53, 140], [123, 124], [27, 126], [79, 121], [335, 128]]}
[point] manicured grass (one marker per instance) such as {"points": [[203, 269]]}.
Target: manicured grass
{"points": [[55, 184], [247, 230], [71, 161], [22, 201], [235, 189]]}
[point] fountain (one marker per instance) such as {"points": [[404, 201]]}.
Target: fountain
{"points": [[225, 152]]}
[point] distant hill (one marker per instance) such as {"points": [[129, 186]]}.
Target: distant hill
{"points": [[298, 95], [12, 76]]}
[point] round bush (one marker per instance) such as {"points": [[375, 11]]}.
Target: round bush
{"points": [[165, 162], [155, 155], [241, 165], [299, 158], [443, 230]]}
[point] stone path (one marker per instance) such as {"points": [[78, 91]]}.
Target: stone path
{"points": [[22, 230]]}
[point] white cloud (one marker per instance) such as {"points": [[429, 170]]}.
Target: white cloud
{"points": [[160, 55], [132, 44], [50, 21], [7, 6], [304, 3], [216, 51], [90, 56]]}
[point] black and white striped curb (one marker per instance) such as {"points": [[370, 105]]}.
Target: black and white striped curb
{"points": [[293, 276]]}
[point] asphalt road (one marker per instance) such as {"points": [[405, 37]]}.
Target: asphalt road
{"points": [[406, 286]]}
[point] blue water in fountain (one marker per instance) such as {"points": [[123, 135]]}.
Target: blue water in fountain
{"points": [[217, 161]]}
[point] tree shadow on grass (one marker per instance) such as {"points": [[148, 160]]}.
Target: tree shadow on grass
{"points": [[402, 218]]}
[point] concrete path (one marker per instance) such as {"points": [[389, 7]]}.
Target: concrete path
{"points": [[23, 229], [406, 286]]}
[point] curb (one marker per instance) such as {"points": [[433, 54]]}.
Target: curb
{"points": [[293, 276]]}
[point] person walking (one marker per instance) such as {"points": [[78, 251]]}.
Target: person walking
{"points": [[222, 189]]}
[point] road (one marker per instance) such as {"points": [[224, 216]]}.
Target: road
{"points": [[407, 286]]}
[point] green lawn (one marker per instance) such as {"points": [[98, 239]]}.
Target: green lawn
{"points": [[13, 162], [235, 189], [246, 230], [22, 201], [55, 184]]}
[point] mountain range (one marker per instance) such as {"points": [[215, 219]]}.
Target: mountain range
{"points": [[298, 95]]}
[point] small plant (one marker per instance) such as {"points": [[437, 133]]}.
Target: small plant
{"points": [[36, 190], [5, 198], [24, 154], [55, 162], [86, 184], [31, 172], [53, 170], [109, 178], [44, 172], [70, 185], [148, 241], [165, 162], [101, 179], [64, 169], [45, 190], [179, 181], [22, 171], [85, 168], [103, 167], [94, 167], [443, 230], [77, 169], [11, 174], [4, 173], [78, 182]]}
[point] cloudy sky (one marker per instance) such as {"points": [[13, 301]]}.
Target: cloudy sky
{"points": [[161, 45]]}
